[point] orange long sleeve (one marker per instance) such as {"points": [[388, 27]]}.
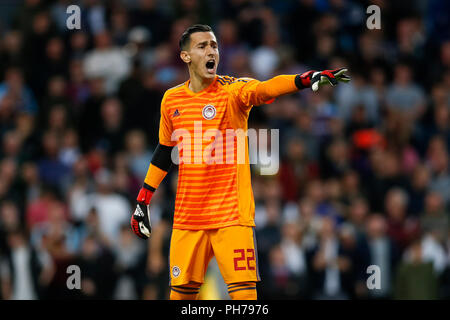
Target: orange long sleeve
{"points": [[251, 92], [277, 86], [159, 166], [154, 176]]}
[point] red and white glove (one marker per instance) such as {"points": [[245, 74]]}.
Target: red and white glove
{"points": [[314, 79], [140, 220]]}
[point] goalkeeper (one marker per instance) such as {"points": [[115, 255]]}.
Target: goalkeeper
{"points": [[214, 206]]}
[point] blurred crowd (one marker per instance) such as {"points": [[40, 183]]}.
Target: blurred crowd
{"points": [[364, 173]]}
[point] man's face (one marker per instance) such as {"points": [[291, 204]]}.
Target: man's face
{"points": [[202, 56]]}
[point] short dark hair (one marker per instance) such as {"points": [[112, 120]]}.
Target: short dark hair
{"points": [[186, 36]]}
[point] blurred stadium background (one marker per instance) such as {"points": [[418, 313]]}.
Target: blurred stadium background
{"points": [[364, 173]]}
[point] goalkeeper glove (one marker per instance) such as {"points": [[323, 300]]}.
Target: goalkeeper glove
{"points": [[140, 220], [314, 79]]}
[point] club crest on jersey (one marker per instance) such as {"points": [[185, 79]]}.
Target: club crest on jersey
{"points": [[209, 112], [176, 271]]}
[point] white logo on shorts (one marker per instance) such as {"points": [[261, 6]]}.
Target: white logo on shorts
{"points": [[209, 112], [176, 271]]}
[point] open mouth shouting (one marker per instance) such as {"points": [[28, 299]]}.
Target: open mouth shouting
{"points": [[211, 66]]}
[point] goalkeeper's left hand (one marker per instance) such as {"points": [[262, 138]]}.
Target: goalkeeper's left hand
{"points": [[315, 79]]}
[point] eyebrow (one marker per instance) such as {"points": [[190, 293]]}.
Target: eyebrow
{"points": [[206, 42]]}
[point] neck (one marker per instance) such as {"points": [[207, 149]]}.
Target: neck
{"points": [[197, 84]]}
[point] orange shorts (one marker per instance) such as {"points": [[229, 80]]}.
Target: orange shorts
{"points": [[233, 247]]}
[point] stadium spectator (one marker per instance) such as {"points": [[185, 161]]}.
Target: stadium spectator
{"points": [[14, 87], [384, 253], [329, 265], [112, 208], [98, 278], [401, 228], [129, 253], [415, 279], [106, 61], [24, 272], [404, 96]]}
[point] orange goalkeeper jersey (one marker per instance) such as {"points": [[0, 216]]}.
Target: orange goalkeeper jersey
{"points": [[214, 187]]}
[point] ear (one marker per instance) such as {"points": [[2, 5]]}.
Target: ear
{"points": [[184, 55]]}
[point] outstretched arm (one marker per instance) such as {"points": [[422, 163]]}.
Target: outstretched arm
{"points": [[254, 92]]}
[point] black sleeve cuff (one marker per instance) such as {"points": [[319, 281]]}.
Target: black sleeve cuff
{"points": [[299, 83], [148, 187], [162, 157]]}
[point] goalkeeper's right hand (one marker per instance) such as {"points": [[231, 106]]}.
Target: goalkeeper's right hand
{"points": [[140, 220]]}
